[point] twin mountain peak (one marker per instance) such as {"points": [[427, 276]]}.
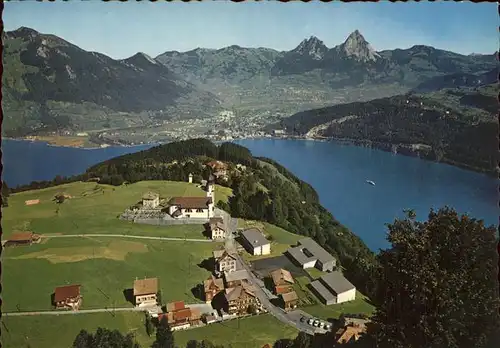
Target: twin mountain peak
{"points": [[355, 46]]}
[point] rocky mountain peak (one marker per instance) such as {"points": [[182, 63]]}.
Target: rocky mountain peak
{"points": [[313, 47], [355, 46], [139, 58]]}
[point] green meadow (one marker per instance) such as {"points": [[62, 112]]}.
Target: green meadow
{"points": [[94, 209]]}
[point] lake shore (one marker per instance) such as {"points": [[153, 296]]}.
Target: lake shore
{"points": [[421, 151]]}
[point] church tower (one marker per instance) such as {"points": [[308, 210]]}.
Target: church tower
{"points": [[211, 187]]}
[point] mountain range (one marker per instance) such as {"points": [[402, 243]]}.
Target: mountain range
{"points": [[51, 84]]}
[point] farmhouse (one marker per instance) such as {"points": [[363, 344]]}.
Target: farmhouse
{"points": [[216, 228], [191, 207], [240, 299], [334, 288], [224, 261], [180, 317], [282, 281], [212, 286], [289, 300], [235, 278], [349, 333], [68, 297], [255, 242], [22, 238], [145, 292], [309, 254], [150, 200]]}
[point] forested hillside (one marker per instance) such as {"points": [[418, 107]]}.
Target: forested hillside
{"points": [[456, 126]]}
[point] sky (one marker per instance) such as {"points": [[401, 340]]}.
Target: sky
{"points": [[121, 29]]}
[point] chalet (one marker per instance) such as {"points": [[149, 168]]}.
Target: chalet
{"points": [[191, 207], [212, 286], [150, 200], [209, 319], [216, 228], [240, 299], [180, 317], [289, 300], [282, 281], [235, 278], [309, 254], [217, 166], [145, 292], [255, 243], [31, 202], [68, 297], [22, 238], [333, 288], [190, 178], [224, 261], [349, 334]]}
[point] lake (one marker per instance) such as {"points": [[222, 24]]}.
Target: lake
{"points": [[337, 172]]}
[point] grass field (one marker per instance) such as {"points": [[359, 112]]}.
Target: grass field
{"points": [[94, 209], [253, 332], [105, 267], [60, 331], [39, 332]]}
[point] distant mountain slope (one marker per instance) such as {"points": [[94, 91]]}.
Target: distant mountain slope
{"points": [[458, 80], [354, 61], [45, 73], [457, 126]]}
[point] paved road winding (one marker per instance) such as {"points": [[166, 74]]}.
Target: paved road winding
{"points": [[261, 295]]}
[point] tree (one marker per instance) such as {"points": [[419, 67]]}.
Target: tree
{"points": [[438, 283], [302, 340], [104, 338], [148, 324], [164, 337], [5, 194]]}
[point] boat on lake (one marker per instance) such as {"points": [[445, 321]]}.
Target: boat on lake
{"points": [[370, 182]]}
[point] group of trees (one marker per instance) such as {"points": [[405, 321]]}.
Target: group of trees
{"points": [[437, 287]]}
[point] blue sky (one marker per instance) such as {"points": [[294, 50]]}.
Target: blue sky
{"points": [[122, 29]]}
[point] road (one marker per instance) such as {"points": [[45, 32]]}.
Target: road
{"points": [[126, 236], [261, 295]]}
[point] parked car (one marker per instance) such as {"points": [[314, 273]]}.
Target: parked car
{"points": [[316, 323], [310, 321], [328, 327], [302, 319], [321, 325]]}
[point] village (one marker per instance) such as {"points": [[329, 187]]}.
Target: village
{"points": [[235, 288]]}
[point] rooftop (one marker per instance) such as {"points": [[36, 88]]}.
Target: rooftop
{"points": [[63, 293], [21, 236], [145, 286], [337, 282], [191, 202], [309, 250], [323, 291], [219, 254], [254, 237], [175, 306], [290, 296], [213, 282], [236, 292], [241, 274], [281, 277], [150, 195]]}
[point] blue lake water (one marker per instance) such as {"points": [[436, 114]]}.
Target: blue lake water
{"points": [[337, 172]]}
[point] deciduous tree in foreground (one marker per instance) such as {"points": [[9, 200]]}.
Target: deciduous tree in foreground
{"points": [[438, 283]]}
